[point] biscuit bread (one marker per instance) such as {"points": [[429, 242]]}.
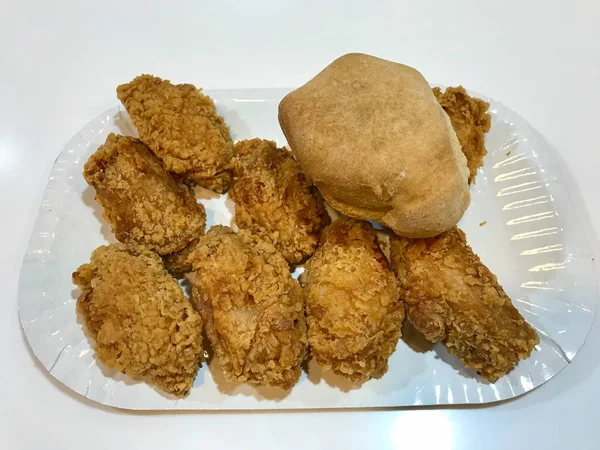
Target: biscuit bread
{"points": [[370, 134]]}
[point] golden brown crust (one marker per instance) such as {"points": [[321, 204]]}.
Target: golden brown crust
{"points": [[141, 201], [179, 263], [371, 136], [141, 322], [253, 309], [470, 121], [453, 298], [182, 127], [274, 199], [354, 312]]}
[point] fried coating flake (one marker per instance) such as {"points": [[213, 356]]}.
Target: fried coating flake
{"points": [[274, 199], [141, 201], [453, 298], [252, 308], [354, 312], [470, 120], [141, 322], [182, 127], [178, 263]]}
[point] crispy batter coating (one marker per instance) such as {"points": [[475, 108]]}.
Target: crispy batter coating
{"points": [[141, 201], [252, 308], [141, 322], [274, 199], [470, 121], [179, 263], [354, 312], [182, 127], [453, 298]]}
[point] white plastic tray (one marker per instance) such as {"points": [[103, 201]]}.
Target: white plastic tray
{"points": [[531, 239]]}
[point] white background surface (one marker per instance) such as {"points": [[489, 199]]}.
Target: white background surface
{"points": [[60, 64]]}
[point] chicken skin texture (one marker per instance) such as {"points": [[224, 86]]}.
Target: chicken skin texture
{"points": [[453, 298], [274, 199], [470, 120], [141, 323], [142, 202], [178, 263], [252, 308], [182, 127], [354, 312]]}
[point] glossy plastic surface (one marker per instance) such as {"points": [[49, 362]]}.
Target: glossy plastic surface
{"points": [[530, 238]]}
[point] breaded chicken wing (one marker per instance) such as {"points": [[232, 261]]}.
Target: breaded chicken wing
{"points": [[141, 322], [141, 201], [354, 311], [252, 308], [274, 199], [182, 127], [470, 121], [453, 298]]}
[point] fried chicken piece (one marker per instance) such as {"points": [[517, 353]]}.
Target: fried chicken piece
{"points": [[141, 322], [141, 201], [470, 121], [182, 127], [274, 199], [453, 298], [252, 308], [354, 311]]}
